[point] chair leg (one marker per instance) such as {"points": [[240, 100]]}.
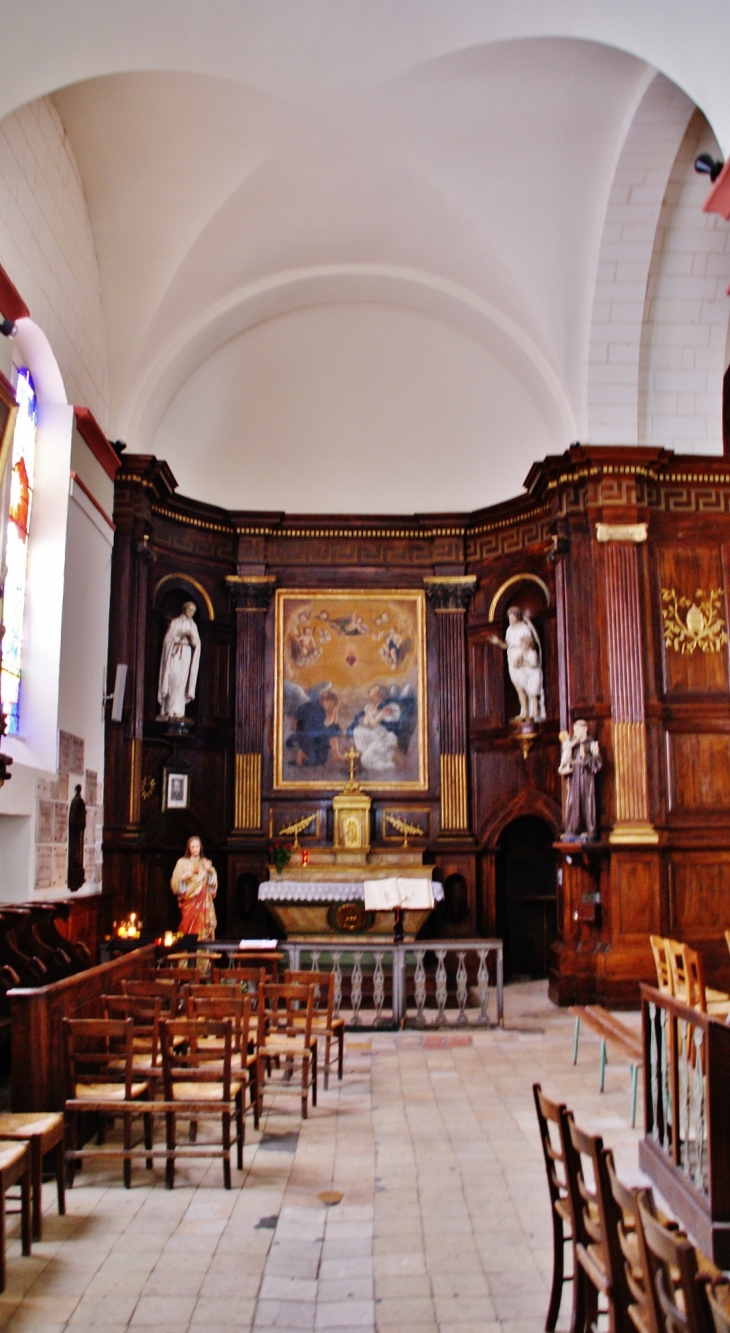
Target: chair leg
{"points": [[127, 1141], [305, 1082], [170, 1137], [72, 1138], [602, 1074], [25, 1210], [340, 1053], [3, 1257], [226, 1136], [260, 1082], [36, 1166], [591, 1306], [240, 1130], [558, 1269], [254, 1094], [61, 1177], [576, 1035], [578, 1315], [148, 1137], [314, 1074], [327, 1051]]}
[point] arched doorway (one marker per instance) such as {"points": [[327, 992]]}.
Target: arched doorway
{"points": [[526, 907]]}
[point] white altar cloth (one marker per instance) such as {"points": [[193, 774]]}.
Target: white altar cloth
{"points": [[310, 891]]}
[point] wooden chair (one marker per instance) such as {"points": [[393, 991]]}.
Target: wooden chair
{"points": [[702, 997], [97, 1051], [189, 962], [285, 1032], [237, 1007], [662, 964], [258, 958], [673, 1271], [44, 1131], [15, 1166], [631, 1241], [247, 978], [200, 1088], [549, 1113], [182, 976], [324, 1023], [168, 991], [145, 1013], [718, 1296], [599, 1263]]}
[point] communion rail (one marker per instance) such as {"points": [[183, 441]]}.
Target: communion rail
{"points": [[436, 983], [686, 1146]]}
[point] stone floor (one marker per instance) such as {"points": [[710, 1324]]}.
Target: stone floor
{"points": [[443, 1223]]}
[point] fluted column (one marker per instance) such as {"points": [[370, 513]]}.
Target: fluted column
{"points": [[251, 595], [626, 671], [450, 598]]}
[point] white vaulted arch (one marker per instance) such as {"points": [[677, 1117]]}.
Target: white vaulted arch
{"points": [[632, 216]]}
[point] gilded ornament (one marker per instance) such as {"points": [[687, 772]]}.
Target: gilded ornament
{"points": [[691, 623]]}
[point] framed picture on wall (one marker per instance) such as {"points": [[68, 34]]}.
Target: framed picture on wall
{"points": [[176, 789], [350, 673]]}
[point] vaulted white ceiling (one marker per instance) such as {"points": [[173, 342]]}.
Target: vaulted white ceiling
{"points": [[348, 251]]}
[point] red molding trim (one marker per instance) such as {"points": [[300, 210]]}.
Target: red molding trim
{"points": [[12, 305], [91, 432], [83, 487]]}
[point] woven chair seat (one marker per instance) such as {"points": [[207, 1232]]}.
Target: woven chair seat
{"points": [[106, 1092], [203, 1092]]}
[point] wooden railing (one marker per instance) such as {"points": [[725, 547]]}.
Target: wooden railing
{"points": [[686, 1145]]}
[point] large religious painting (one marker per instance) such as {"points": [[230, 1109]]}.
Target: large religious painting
{"points": [[350, 673]]}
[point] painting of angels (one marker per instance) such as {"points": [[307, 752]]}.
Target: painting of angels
{"points": [[350, 672]]}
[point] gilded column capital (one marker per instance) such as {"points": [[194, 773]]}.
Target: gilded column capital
{"points": [[251, 592], [450, 593]]}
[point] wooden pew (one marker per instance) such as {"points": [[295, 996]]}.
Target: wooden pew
{"points": [[36, 1014]]}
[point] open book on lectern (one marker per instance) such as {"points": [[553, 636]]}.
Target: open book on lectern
{"points": [[384, 895]]}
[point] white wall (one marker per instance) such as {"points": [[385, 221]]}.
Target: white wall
{"points": [[47, 247], [85, 627], [686, 312]]}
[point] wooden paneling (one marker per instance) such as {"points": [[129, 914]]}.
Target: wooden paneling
{"points": [[662, 718], [635, 895], [699, 771], [689, 569], [699, 894]]}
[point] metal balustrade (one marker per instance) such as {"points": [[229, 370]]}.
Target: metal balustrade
{"points": [[686, 1147], [397, 985]]}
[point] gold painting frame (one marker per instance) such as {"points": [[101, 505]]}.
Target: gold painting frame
{"points": [[364, 653]]}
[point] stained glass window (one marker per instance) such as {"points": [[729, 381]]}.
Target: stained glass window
{"points": [[16, 548]]}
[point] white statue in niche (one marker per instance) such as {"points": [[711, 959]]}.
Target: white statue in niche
{"points": [[524, 663], [179, 666]]}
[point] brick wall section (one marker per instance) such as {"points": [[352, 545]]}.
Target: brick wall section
{"points": [[627, 243], [47, 248], [687, 311]]}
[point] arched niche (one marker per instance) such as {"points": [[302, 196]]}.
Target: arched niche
{"points": [[531, 594], [169, 594]]}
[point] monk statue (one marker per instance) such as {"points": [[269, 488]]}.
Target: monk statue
{"points": [[195, 884], [179, 666], [580, 760]]}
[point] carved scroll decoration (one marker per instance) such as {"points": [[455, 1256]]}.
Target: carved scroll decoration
{"points": [[701, 626]]}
